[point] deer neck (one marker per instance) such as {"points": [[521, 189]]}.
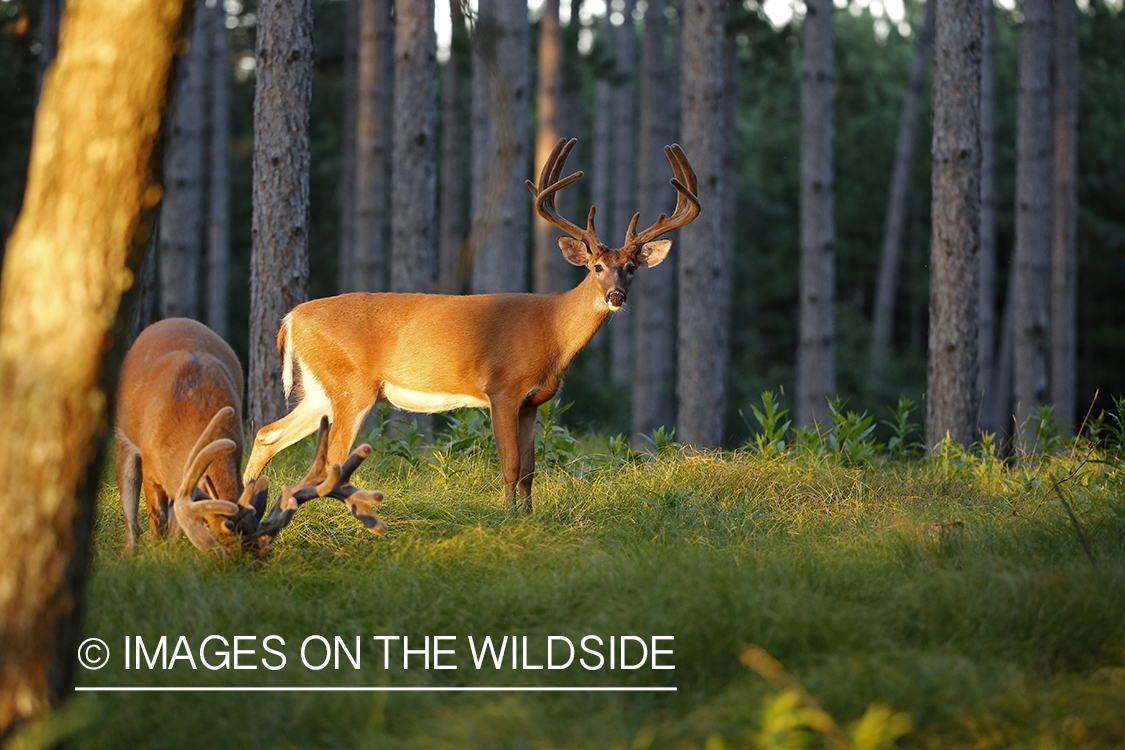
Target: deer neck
{"points": [[581, 313]]}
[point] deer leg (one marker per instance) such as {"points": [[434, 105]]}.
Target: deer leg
{"points": [[505, 428], [304, 420], [156, 500], [128, 468], [347, 420], [528, 412]]}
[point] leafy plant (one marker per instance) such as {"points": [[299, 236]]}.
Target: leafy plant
{"points": [[852, 441], [771, 439], [900, 445], [555, 445], [662, 442]]}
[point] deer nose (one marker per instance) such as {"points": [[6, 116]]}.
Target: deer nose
{"points": [[616, 298]]}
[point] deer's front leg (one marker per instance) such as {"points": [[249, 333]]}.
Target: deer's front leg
{"points": [[505, 428], [528, 412]]}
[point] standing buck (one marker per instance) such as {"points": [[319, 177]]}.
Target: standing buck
{"points": [[179, 386], [432, 353]]}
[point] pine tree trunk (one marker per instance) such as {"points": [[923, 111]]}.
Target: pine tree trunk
{"points": [[50, 14], [1034, 169], [1064, 277], [218, 212], [624, 186], [452, 271], [414, 192], [346, 252], [704, 269], [501, 150], [898, 203], [374, 108], [75, 251], [986, 348], [181, 215], [279, 263], [951, 390], [653, 295], [816, 346], [550, 269]]}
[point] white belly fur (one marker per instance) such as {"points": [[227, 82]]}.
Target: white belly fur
{"points": [[428, 403]]}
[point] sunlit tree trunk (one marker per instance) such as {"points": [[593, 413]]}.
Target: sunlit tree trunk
{"points": [[816, 345], [986, 348], [180, 244], [452, 273], [898, 202], [218, 211], [414, 184], [279, 263], [704, 269], [1034, 170], [501, 152], [951, 388], [1064, 277], [550, 268], [346, 250], [74, 252], [653, 294]]}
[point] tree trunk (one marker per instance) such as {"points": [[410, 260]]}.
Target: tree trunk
{"points": [[898, 202], [218, 212], [180, 240], [453, 271], [653, 294], [501, 152], [704, 269], [816, 347], [414, 193], [346, 252], [374, 108], [986, 348], [50, 14], [623, 105], [551, 271], [279, 263], [951, 390], [74, 252], [1034, 168], [1064, 277]]}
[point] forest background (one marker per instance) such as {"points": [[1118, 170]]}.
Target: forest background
{"points": [[600, 87]]}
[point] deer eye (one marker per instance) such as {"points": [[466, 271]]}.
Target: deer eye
{"points": [[630, 267], [598, 268]]}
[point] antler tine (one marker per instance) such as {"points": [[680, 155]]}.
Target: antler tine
{"points": [[193, 518], [319, 468], [549, 184], [338, 485], [687, 202], [205, 437]]}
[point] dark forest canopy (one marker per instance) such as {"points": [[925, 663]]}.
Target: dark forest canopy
{"points": [[872, 61]]}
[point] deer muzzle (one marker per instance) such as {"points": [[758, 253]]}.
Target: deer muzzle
{"points": [[615, 298]]}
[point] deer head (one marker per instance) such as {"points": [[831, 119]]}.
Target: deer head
{"points": [[613, 268]]}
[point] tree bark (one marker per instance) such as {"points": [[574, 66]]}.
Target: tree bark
{"points": [[88, 212], [346, 251], [453, 271], [279, 263], [50, 14], [951, 391], [1034, 168], [374, 109], [180, 240], [653, 294], [816, 346], [551, 271], [501, 152], [898, 201], [414, 191], [624, 185], [986, 348], [1064, 277], [704, 270], [218, 211]]}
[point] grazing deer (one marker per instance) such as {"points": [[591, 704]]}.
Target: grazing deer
{"points": [[432, 353], [180, 385]]}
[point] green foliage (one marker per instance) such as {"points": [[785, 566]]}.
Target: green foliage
{"points": [[771, 439], [852, 441], [900, 444]]}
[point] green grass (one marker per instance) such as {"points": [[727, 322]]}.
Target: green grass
{"points": [[994, 632]]}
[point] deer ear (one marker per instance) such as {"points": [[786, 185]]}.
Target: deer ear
{"points": [[575, 251], [653, 253]]}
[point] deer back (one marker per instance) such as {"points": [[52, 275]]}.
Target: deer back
{"points": [[174, 379]]}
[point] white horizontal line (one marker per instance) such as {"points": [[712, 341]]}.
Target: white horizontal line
{"points": [[365, 689]]}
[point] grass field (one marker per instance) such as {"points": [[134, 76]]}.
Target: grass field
{"points": [[952, 600]]}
